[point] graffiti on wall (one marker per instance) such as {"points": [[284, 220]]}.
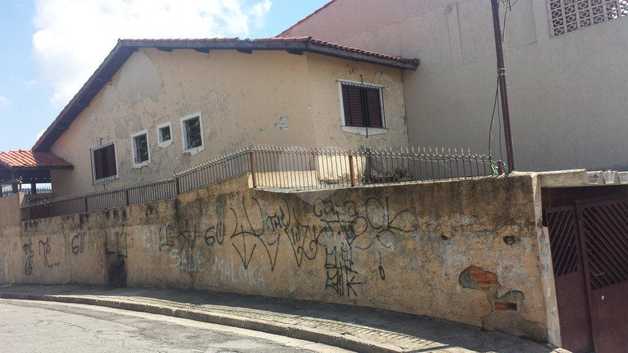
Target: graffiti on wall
{"points": [[180, 244], [77, 243], [45, 249], [28, 257], [338, 230]]}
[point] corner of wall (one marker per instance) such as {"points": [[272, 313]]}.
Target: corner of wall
{"points": [[545, 262]]}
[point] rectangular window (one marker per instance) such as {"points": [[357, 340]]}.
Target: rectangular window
{"points": [[104, 160], [164, 135], [569, 15], [141, 153], [192, 133], [362, 106]]}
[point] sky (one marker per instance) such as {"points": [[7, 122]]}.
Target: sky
{"points": [[50, 47]]}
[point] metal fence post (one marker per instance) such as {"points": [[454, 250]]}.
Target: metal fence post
{"points": [[85, 204], [252, 168], [351, 170], [126, 196]]}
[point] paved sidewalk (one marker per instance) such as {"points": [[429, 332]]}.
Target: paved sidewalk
{"points": [[353, 328]]}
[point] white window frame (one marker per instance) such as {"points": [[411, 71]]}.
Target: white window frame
{"points": [[364, 131], [134, 150], [91, 158], [184, 138], [161, 143]]}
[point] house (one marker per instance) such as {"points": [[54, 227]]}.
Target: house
{"points": [[565, 63], [157, 107]]}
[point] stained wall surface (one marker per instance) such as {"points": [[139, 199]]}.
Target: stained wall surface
{"points": [[465, 251]]}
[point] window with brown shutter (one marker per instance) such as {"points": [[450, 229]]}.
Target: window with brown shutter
{"points": [[104, 160], [362, 106]]}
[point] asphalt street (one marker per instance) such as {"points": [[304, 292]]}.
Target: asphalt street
{"points": [[31, 327]]}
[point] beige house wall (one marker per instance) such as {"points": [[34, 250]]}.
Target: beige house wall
{"points": [[468, 251], [325, 75], [567, 95], [259, 98]]}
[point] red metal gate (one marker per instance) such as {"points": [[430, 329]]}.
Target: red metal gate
{"points": [[569, 274], [589, 244]]}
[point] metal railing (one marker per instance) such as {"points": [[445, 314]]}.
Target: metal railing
{"points": [[304, 168], [6, 190], [288, 168]]}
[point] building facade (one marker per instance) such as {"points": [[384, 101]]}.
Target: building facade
{"points": [[172, 105], [565, 62]]}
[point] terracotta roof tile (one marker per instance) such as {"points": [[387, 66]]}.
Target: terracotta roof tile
{"points": [[30, 159]]}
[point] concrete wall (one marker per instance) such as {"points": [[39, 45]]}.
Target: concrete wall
{"points": [[259, 98], [10, 210], [9, 233], [566, 92], [464, 251]]}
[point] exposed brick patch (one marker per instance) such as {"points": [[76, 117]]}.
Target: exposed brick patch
{"points": [[499, 306], [476, 278]]}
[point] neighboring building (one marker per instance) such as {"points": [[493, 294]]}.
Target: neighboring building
{"points": [[566, 72], [156, 107]]}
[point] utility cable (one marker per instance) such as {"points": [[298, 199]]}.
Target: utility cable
{"points": [[508, 5]]}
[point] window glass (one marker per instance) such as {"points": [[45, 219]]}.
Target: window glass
{"points": [[104, 159], [362, 106], [140, 148], [164, 134], [192, 133]]}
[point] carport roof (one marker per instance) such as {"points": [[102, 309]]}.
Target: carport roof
{"points": [[23, 159]]}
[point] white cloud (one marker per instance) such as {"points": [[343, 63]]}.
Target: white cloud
{"points": [[4, 102], [39, 134], [72, 37], [259, 11]]}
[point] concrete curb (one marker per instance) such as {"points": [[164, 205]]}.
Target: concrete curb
{"points": [[319, 336]]}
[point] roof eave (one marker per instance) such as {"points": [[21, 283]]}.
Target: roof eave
{"points": [[405, 64]]}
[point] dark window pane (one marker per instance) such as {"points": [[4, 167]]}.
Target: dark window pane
{"points": [[141, 148], [374, 107], [110, 161], [99, 168], [193, 133], [164, 134], [354, 110], [362, 106], [104, 162]]}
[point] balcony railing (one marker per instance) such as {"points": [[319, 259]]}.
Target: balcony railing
{"points": [[289, 168]]}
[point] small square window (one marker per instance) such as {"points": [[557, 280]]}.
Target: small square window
{"points": [[141, 153], [164, 135], [192, 131]]}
